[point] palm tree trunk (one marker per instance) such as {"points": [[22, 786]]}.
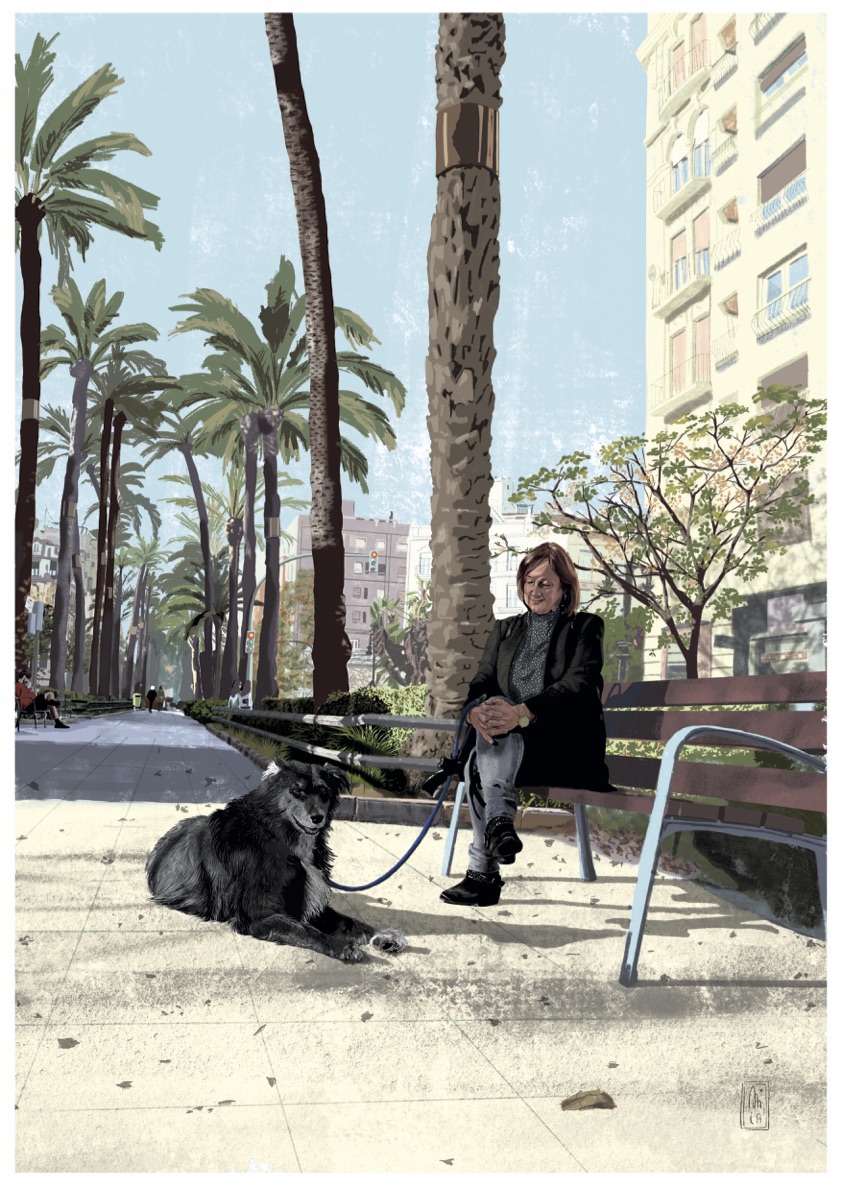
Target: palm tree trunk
{"points": [[331, 647], [144, 653], [101, 544], [114, 683], [29, 212], [107, 636], [127, 687], [250, 439], [266, 684], [186, 690], [77, 682], [233, 532], [81, 371], [463, 268], [194, 657], [207, 656]]}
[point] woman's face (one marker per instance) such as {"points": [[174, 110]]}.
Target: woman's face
{"points": [[542, 589]]}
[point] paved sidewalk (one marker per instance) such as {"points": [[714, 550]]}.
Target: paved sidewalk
{"points": [[149, 1041]]}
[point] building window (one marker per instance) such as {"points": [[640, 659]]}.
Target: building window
{"points": [[380, 545], [357, 592], [364, 617], [783, 68], [364, 592], [788, 283], [36, 547], [700, 46], [511, 596], [402, 547], [380, 593], [701, 237], [360, 543], [701, 149], [679, 260], [356, 616], [357, 568], [401, 571], [678, 66], [784, 182], [680, 164], [727, 35], [354, 644], [425, 564]]}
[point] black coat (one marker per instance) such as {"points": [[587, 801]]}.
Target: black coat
{"points": [[565, 743]]}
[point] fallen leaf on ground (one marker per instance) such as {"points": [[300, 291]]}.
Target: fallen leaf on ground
{"points": [[67, 1043], [582, 1100]]}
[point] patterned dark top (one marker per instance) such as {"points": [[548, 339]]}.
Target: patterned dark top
{"points": [[529, 665]]}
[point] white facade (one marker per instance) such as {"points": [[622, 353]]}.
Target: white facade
{"points": [[736, 261]]}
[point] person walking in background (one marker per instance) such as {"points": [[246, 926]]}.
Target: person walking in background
{"points": [[235, 697], [151, 695], [161, 698], [26, 697]]}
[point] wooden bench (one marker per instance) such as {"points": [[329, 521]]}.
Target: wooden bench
{"points": [[665, 712]]}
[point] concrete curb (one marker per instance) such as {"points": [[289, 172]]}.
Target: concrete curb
{"points": [[402, 811]]}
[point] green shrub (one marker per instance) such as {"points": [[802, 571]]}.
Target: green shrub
{"points": [[201, 709]]}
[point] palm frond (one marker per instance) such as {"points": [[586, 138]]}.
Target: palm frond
{"points": [[32, 80], [71, 113], [376, 378], [355, 329], [78, 211], [100, 148], [275, 315]]}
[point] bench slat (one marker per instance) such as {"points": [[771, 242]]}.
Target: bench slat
{"points": [[801, 729], [689, 692], [771, 787]]}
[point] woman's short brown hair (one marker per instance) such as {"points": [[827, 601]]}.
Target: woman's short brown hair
{"points": [[564, 568]]}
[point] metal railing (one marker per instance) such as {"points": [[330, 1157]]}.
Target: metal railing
{"points": [[792, 196], [789, 308], [763, 23], [725, 153], [681, 379], [681, 71], [725, 348], [726, 249], [352, 759], [724, 66], [687, 274]]}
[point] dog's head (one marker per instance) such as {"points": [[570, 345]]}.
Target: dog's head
{"points": [[306, 794]]}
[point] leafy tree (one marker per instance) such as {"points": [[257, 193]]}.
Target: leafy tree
{"points": [[295, 635], [707, 501], [56, 185], [402, 649]]}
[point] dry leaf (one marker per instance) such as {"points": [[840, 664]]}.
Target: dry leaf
{"points": [[586, 1099]]}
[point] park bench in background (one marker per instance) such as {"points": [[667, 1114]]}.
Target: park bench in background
{"points": [[80, 706]]}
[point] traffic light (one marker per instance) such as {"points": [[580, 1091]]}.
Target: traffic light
{"points": [[372, 562], [249, 641]]}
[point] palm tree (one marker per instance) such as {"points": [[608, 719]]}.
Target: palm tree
{"points": [[83, 347], [126, 383], [463, 269], [254, 392], [331, 647], [55, 186], [146, 557]]}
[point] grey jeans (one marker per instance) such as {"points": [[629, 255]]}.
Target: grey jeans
{"points": [[495, 794]]}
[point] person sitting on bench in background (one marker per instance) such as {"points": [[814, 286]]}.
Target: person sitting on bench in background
{"points": [[535, 704], [27, 697]]}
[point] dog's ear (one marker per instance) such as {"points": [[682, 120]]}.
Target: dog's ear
{"points": [[275, 766], [336, 778]]}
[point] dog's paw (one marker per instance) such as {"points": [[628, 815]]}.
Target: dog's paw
{"points": [[351, 953], [389, 941]]}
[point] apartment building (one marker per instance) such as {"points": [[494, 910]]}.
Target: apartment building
{"points": [[514, 521], [736, 285], [375, 565], [45, 545]]}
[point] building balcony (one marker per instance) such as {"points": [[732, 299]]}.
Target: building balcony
{"points": [[725, 349], [669, 202], [763, 23], [686, 280], [725, 154], [727, 249], [787, 200], [784, 312], [725, 67], [684, 78], [682, 386]]}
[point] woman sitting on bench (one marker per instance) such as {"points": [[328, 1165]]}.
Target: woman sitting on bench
{"points": [[536, 707], [29, 700]]}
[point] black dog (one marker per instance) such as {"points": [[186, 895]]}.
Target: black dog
{"points": [[262, 863]]}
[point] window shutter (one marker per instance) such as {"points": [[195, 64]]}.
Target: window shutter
{"points": [[728, 120], [730, 213], [792, 164], [728, 34], [701, 231], [773, 72]]}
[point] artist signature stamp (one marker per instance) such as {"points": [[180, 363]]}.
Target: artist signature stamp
{"points": [[754, 1112]]}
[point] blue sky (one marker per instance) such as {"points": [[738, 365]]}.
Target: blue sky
{"points": [[570, 366]]}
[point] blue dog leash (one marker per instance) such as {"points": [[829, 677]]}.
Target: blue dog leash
{"points": [[424, 828]]}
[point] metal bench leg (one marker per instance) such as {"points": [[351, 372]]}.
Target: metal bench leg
{"points": [[582, 838], [450, 843]]}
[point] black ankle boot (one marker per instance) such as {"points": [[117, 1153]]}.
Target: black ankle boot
{"points": [[477, 888], [502, 840]]}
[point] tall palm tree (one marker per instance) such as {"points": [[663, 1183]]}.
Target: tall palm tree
{"points": [[83, 348], [463, 270], [146, 557], [331, 646], [55, 186], [255, 392], [127, 383], [183, 596]]}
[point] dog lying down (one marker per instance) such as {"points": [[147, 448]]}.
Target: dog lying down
{"points": [[262, 863]]}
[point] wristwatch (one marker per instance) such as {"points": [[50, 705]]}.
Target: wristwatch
{"points": [[524, 720]]}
